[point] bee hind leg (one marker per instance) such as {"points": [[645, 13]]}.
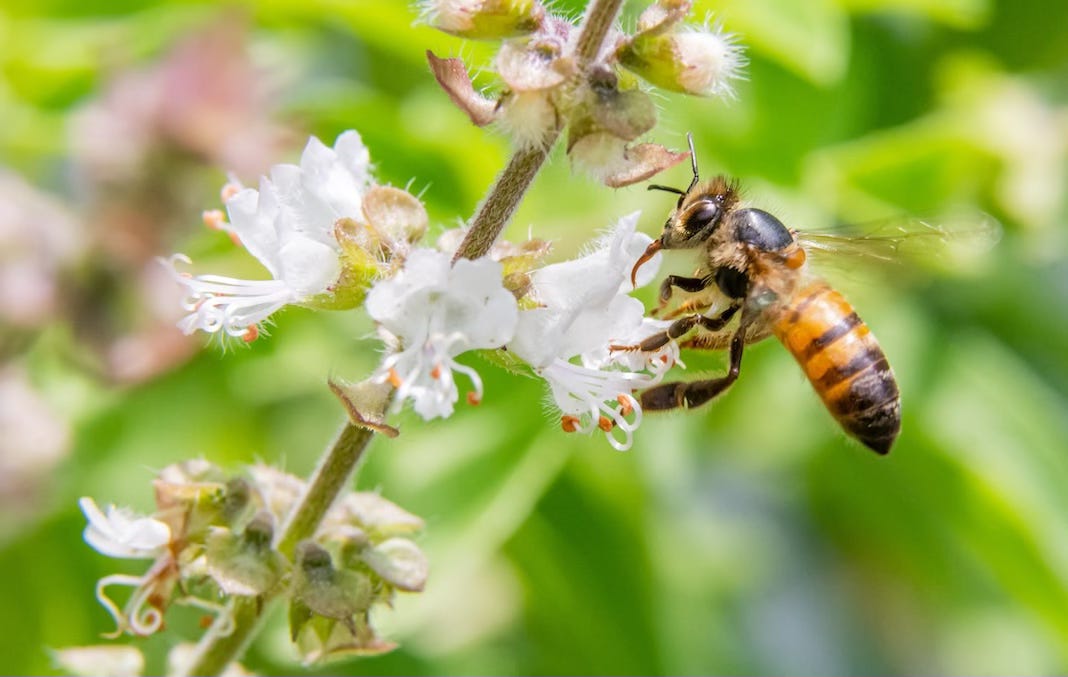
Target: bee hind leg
{"points": [[689, 394]]}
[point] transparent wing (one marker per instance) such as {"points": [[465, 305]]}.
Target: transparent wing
{"points": [[951, 241]]}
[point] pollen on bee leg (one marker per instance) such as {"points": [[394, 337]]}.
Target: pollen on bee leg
{"points": [[625, 407], [251, 334], [213, 218], [570, 423], [473, 399], [795, 259], [606, 424], [393, 378]]}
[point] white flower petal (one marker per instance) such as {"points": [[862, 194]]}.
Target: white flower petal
{"points": [[288, 225], [432, 311], [122, 534]]}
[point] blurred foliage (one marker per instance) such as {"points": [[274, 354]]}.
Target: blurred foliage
{"points": [[748, 538]]}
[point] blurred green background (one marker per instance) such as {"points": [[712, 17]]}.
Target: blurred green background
{"points": [[748, 538]]}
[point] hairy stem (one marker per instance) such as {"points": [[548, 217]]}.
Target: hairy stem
{"points": [[507, 192], [217, 649]]}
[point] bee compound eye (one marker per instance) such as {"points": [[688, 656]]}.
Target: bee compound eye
{"points": [[707, 214]]}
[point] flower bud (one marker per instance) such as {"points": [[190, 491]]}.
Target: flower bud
{"points": [[697, 61], [399, 562], [483, 19], [244, 564]]}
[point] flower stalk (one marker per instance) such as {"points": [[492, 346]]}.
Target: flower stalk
{"points": [[507, 192]]}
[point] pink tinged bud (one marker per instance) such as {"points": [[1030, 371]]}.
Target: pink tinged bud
{"points": [[452, 75], [484, 19], [662, 15], [700, 61]]}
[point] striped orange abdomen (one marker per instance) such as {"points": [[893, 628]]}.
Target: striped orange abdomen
{"points": [[844, 362]]}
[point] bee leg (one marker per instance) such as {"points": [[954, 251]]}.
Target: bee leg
{"points": [[689, 284], [689, 394], [680, 327]]}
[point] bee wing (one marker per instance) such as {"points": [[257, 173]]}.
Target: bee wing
{"points": [[947, 242]]}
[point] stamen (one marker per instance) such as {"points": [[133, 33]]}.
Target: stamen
{"points": [[625, 406], [251, 334], [229, 190], [393, 378], [606, 424], [213, 218], [473, 398], [569, 423], [435, 373]]}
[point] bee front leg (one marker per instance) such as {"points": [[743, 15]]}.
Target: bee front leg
{"points": [[680, 327], [688, 284], [689, 394]]}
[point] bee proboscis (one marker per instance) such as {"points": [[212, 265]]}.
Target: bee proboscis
{"points": [[759, 266]]}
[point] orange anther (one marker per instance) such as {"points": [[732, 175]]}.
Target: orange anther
{"points": [[393, 379], [606, 424], [665, 359], [569, 423], [473, 399], [251, 334], [229, 190], [213, 218], [436, 371], [625, 407]]}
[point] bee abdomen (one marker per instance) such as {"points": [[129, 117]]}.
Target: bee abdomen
{"points": [[844, 363]]}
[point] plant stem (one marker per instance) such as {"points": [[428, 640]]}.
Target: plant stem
{"points": [[217, 649], [507, 192]]}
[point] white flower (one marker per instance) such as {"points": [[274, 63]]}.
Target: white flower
{"points": [[288, 225], [104, 660], [430, 312], [583, 310], [120, 533]]}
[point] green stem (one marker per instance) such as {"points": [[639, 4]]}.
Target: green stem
{"points": [[507, 192], [217, 649]]}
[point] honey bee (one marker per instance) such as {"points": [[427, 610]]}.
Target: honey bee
{"points": [[759, 265]]}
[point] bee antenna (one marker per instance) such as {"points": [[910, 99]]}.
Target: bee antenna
{"points": [[693, 162], [666, 189]]}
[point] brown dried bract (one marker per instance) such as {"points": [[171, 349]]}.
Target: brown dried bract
{"points": [[452, 75]]}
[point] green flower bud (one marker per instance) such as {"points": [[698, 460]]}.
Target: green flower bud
{"points": [[484, 19]]}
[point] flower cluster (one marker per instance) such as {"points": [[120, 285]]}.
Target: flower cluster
{"points": [[572, 312], [322, 229], [547, 84], [559, 320], [212, 538]]}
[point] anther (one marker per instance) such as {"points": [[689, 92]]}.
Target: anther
{"points": [[251, 334], [229, 190], [606, 424], [436, 372], [569, 423], [393, 378], [213, 218], [472, 398], [625, 407]]}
